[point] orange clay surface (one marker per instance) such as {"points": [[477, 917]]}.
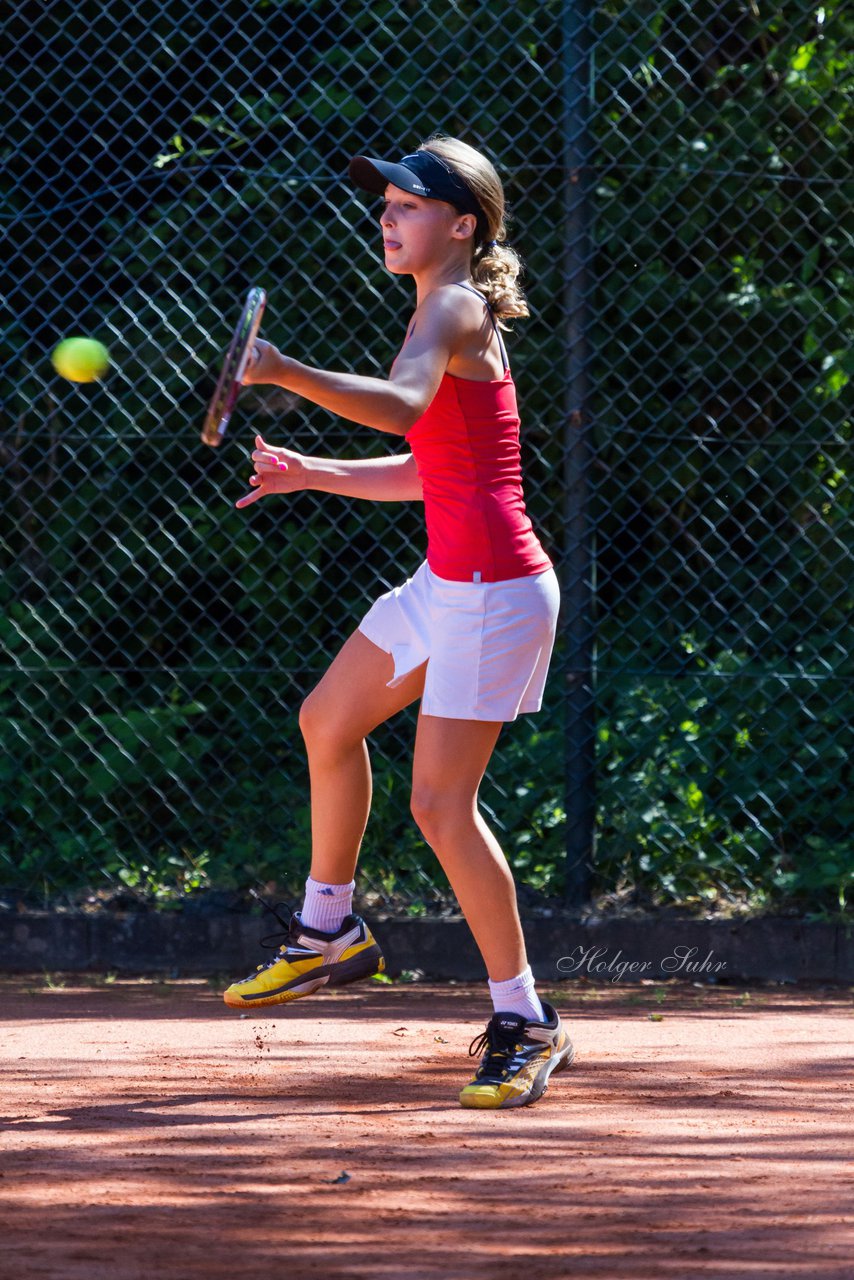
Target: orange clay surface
{"points": [[150, 1132]]}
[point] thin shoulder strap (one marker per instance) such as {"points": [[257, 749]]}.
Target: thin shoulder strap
{"points": [[488, 306]]}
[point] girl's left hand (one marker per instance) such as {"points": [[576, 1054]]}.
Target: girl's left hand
{"points": [[277, 470]]}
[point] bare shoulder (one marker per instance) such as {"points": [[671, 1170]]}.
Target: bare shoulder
{"points": [[455, 300], [457, 311]]}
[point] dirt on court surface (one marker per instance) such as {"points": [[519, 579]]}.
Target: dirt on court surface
{"points": [[150, 1132]]}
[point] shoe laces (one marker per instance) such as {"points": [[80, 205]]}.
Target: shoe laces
{"points": [[500, 1048], [277, 941]]}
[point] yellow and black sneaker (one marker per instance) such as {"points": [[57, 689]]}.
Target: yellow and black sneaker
{"points": [[519, 1057], [309, 959]]}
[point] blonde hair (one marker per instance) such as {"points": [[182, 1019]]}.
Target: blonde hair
{"points": [[495, 266]]}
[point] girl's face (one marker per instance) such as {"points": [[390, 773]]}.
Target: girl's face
{"points": [[419, 233]]}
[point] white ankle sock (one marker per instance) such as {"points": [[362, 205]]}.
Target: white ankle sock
{"points": [[517, 995], [326, 905]]}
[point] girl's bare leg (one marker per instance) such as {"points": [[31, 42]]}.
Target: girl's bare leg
{"points": [[348, 703], [450, 759]]}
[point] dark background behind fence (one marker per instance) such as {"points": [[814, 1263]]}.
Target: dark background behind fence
{"points": [[679, 179]]}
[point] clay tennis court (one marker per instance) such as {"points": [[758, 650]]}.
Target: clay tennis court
{"points": [[702, 1131]]}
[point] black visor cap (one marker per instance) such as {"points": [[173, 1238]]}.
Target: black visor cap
{"points": [[421, 174]]}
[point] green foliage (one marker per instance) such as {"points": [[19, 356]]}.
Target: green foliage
{"points": [[723, 444], [709, 783]]}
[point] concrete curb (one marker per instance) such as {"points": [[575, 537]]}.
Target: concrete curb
{"points": [[775, 949]]}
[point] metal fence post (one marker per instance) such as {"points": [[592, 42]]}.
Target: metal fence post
{"points": [[578, 558]]}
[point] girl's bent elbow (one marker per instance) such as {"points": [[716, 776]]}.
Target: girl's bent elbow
{"points": [[412, 405], [409, 416]]}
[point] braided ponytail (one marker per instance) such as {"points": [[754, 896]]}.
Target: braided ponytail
{"points": [[495, 271]]}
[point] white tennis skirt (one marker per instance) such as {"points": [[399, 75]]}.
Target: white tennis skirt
{"points": [[487, 645]]}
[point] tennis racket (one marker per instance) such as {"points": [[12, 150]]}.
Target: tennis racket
{"points": [[234, 365]]}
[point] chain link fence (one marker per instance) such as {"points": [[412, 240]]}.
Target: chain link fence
{"points": [[680, 189]]}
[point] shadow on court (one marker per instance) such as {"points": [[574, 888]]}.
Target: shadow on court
{"points": [[145, 1128]]}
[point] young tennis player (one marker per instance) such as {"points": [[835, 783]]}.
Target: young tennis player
{"points": [[470, 634]]}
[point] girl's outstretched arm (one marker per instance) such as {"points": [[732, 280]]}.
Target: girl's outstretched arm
{"points": [[390, 404], [279, 470]]}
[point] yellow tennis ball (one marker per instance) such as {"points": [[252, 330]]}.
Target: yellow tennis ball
{"points": [[81, 359]]}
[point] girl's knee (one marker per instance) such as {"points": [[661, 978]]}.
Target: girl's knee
{"points": [[435, 811], [321, 728], [311, 715]]}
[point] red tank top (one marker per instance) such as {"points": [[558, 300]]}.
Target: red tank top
{"points": [[466, 449]]}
